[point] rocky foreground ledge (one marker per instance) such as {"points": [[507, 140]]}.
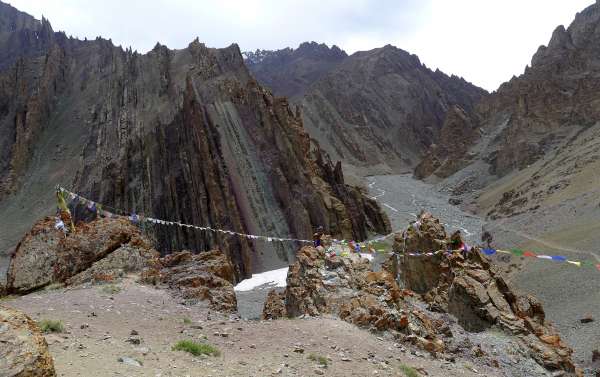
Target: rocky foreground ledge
{"points": [[457, 308], [443, 303]]}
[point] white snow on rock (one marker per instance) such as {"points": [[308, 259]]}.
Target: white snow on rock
{"points": [[275, 278]]}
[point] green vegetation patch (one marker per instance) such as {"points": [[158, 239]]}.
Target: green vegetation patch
{"points": [[49, 326], [196, 349], [319, 359], [187, 321], [409, 371], [111, 289]]}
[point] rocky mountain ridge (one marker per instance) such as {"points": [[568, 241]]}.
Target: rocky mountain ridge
{"points": [[289, 72], [375, 110], [536, 133], [185, 135]]}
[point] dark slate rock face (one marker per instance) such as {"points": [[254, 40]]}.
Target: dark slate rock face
{"points": [[185, 135]]}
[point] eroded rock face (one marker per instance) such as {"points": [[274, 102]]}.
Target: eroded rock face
{"points": [[449, 153], [99, 250], [185, 135], [346, 287], [476, 293], [208, 276], [24, 351]]}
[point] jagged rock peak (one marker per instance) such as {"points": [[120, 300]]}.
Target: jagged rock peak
{"points": [[311, 49]]}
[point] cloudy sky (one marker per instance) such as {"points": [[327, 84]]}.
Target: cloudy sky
{"points": [[485, 41]]}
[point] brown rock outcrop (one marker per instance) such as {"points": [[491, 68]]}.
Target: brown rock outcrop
{"points": [[205, 276], [449, 153], [274, 307], [24, 351], [346, 287], [476, 293], [46, 255]]}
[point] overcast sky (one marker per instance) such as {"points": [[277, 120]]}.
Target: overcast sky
{"points": [[485, 41]]}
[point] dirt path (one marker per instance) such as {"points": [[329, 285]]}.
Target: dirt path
{"points": [[98, 329]]}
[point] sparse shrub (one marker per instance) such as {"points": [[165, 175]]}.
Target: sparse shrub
{"points": [[53, 286], [187, 321], [196, 349], [48, 326], [319, 359], [409, 371], [111, 289]]}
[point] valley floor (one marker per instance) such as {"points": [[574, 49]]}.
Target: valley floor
{"points": [[98, 328]]}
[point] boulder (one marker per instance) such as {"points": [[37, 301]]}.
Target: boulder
{"points": [[476, 293], [346, 287], [23, 350], [207, 276], [46, 255]]}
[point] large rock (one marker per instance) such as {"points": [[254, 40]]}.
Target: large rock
{"points": [[23, 348], [476, 293], [206, 276], [46, 255], [347, 288]]}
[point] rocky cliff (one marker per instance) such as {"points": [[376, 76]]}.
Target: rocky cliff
{"points": [[378, 110], [184, 135], [531, 148]]}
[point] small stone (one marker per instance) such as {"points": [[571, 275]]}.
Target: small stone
{"points": [[346, 359], [133, 333], [299, 350], [253, 346], [143, 350], [129, 361], [84, 326], [319, 372], [134, 341], [587, 319]]}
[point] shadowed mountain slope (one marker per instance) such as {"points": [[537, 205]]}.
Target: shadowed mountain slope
{"points": [[376, 110]]}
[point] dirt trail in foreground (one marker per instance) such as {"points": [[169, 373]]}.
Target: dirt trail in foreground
{"points": [[93, 343]]}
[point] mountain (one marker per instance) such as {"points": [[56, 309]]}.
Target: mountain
{"points": [[183, 135], [377, 110], [533, 145], [289, 72]]}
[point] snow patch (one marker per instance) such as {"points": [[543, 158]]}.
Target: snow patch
{"points": [[275, 278]]}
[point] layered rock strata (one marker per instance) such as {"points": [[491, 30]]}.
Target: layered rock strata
{"points": [[184, 135]]}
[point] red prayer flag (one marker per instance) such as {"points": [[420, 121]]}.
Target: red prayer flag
{"points": [[529, 254]]}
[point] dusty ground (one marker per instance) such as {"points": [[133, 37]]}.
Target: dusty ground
{"points": [[98, 326]]}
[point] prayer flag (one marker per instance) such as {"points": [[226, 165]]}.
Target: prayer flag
{"points": [[489, 251]]}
